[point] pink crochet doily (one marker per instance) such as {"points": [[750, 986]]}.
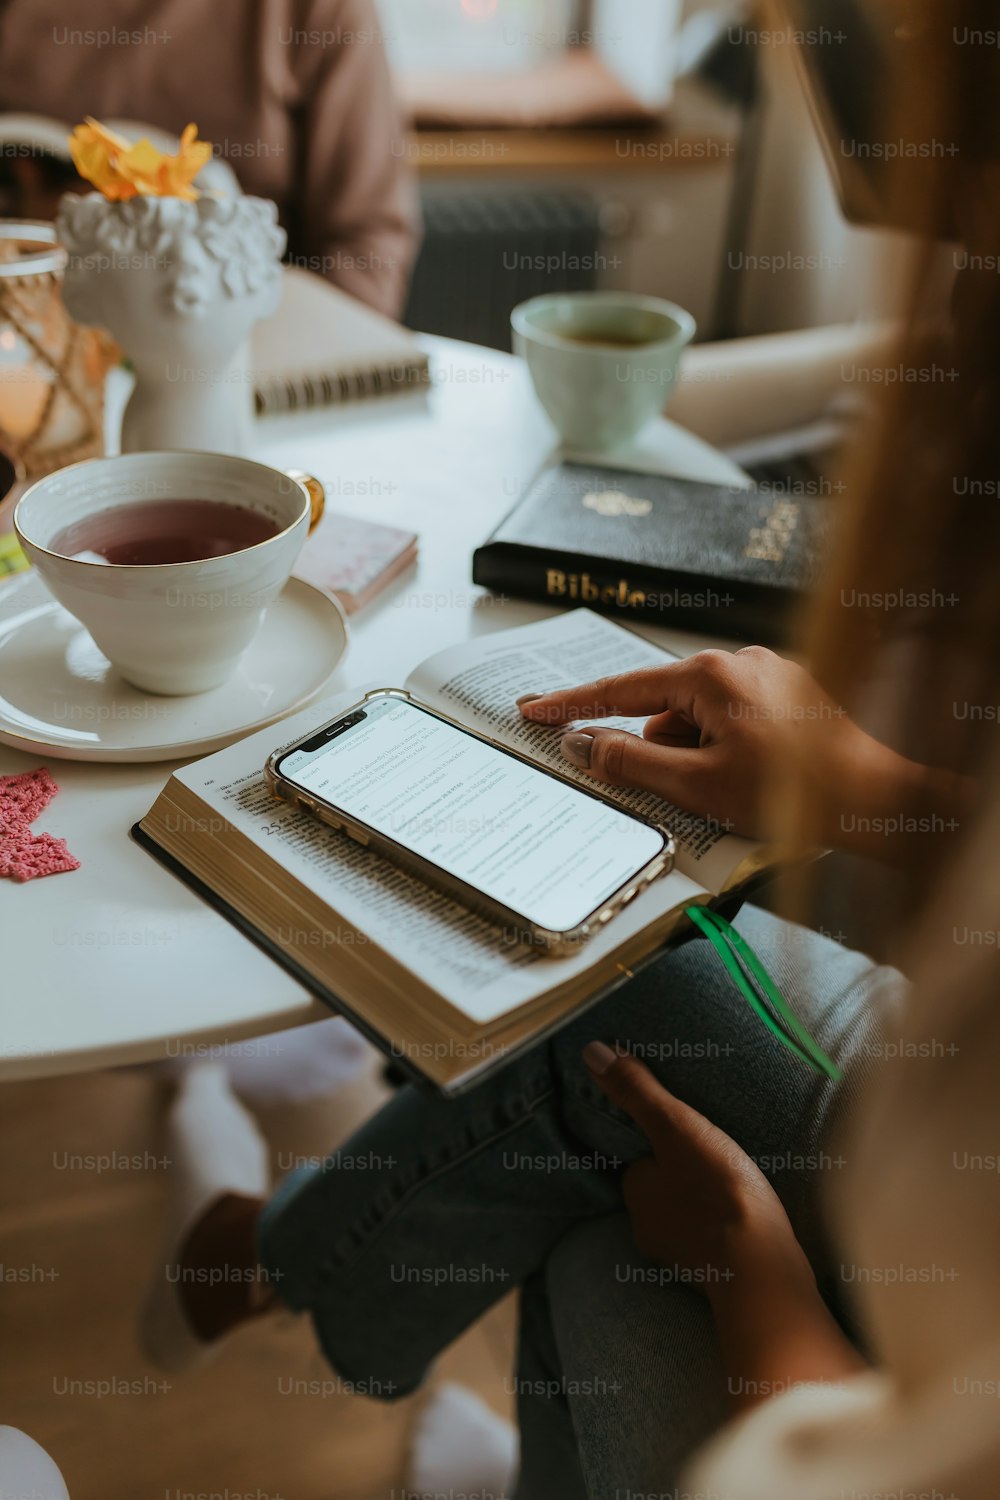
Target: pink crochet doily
{"points": [[23, 854]]}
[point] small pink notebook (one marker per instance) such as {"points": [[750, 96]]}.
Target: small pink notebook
{"points": [[356, 559]]}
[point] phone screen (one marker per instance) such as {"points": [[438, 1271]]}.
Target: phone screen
{"points": [[550, 852]]}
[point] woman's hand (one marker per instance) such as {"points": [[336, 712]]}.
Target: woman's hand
{"points": [[723, 730], [699, 1202], [700, 1206]]}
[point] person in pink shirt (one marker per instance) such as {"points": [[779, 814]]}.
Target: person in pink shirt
{"points": [[295, 97]]}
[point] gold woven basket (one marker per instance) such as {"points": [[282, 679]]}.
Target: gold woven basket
{"points": [[52, 370]]}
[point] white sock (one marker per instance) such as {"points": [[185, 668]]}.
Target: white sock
{"points": [[304, 1063], [27, 1470], [214, 1145], [460, 1446], [214, 1148]]}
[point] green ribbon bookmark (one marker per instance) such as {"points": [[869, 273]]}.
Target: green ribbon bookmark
{"points": [[745, 969]]}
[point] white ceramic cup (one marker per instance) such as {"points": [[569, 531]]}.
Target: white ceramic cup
{"points": [[600, 393], [171, 628]]}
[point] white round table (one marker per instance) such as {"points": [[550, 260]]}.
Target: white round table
{"points": [[119, 962]]}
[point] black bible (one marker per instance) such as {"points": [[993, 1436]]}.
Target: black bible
{"points": [[704, 557]]}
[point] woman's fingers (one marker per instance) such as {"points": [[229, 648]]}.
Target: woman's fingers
{"points": [[667, 1122], [643, 1192], [671, 728], [641, 1181], [629, 1084], [631, 694], [617, 758]]}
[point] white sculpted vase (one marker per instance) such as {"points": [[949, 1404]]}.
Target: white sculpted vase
{"points": [[179, 285]]}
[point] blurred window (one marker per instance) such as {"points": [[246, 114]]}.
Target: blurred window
{"points": [[531, 62], [480, 36]]}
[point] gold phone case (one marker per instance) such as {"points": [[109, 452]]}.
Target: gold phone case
{"points": [[512, 924]]}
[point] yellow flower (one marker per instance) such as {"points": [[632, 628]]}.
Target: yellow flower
{"points": [[121, 169], [178, 172]]}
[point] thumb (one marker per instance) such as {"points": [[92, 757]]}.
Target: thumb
{"points": [[621, 759], [629, 1084]]}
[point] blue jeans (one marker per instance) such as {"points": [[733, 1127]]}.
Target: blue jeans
{"points": [[435, 1209]]}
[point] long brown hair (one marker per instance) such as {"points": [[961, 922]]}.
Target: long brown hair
{"points": [[907, 618]]}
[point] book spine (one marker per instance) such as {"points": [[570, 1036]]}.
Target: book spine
{"points": [[710, 606], [298, 393]]}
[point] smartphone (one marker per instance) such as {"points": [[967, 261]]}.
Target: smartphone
{"points": [[545, 859]]}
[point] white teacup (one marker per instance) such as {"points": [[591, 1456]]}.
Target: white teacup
{"points": [[170, 628], [603, 364]]}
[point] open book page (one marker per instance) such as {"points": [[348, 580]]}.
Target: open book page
{"points": [[480, 681], [459, 955]]}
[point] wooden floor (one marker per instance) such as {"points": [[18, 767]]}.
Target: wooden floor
{"points": [[76, 1242]]}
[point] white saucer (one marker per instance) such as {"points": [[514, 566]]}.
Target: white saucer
{"points": [[59, 694]]}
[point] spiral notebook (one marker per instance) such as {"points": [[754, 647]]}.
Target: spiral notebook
{"points": [[323, 347]]}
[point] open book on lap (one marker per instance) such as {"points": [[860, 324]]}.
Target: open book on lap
{"points": [[437, 987]]}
